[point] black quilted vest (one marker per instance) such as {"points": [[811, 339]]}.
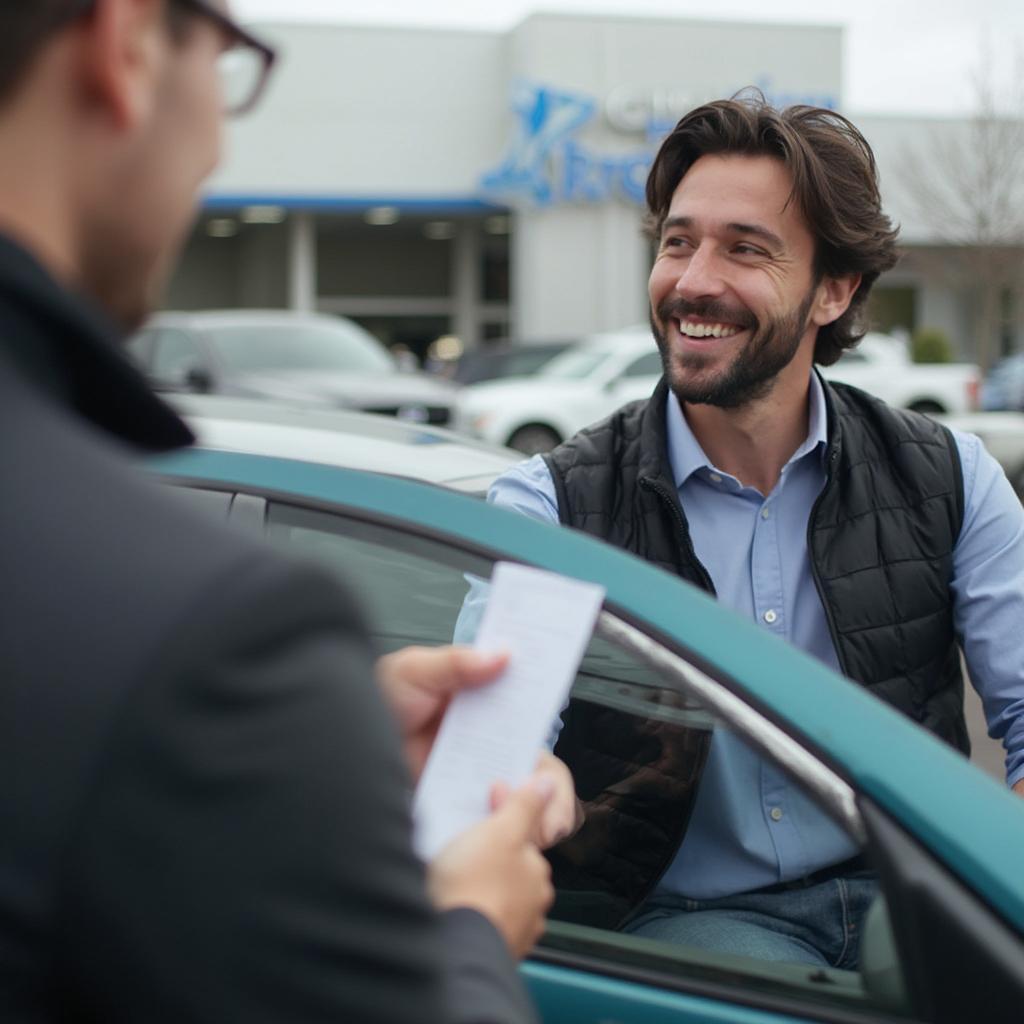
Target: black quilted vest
{"points": [[881, 538]]}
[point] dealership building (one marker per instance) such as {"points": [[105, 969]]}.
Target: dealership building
{"points": [[476, 184]]}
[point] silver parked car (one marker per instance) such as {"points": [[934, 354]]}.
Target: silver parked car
{"points": [[319, 359]]}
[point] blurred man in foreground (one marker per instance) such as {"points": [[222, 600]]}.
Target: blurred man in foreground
{"points": [[204, 805]]}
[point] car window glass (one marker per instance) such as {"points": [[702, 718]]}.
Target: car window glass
{"points": [[412, 588], [417, 590], [574, 364], [528, 360], [510, 361], [175, 353], [340, 347], [646, 366]]}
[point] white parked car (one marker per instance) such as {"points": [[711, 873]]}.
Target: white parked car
{"points": [[578, 387], [596, 376]]}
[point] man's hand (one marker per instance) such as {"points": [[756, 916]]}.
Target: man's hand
{"points": [[419, 682], [563, 815], [1018, 787], [496, 868]]}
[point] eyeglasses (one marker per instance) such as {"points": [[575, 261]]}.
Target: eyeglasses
{"points": [[244, 66]]}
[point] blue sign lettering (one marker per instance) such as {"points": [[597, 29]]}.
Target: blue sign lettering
{"points": [[546, 164]]}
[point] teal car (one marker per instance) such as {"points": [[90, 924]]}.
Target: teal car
{"points": [[944, 941]]}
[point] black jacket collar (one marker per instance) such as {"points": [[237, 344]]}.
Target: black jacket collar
{"points": [[65, 348]]}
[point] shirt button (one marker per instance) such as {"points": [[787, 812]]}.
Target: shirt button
{"points": [[765, 513], [715, 478], [770, 616], [776, 813]]}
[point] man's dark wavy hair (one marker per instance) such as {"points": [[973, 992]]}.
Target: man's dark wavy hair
{"points": [[835, 187], [26, 26]]}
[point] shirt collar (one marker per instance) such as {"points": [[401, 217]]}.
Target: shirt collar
{"points": [[686, 456]]}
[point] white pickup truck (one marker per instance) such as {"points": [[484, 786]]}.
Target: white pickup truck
{"points": [[881, 365]]}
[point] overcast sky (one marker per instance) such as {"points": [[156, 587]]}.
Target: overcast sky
{"points": [[902, 56]]}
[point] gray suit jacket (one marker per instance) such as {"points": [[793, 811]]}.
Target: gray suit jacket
{"points": [[203, 802]]}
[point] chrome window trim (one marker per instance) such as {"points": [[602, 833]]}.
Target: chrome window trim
{"points": [[836, 796]]}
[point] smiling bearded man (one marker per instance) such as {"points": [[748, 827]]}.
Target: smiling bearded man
{"points": [[874, 539]]}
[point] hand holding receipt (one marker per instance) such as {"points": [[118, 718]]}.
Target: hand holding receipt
{"points": [[494, 734]]}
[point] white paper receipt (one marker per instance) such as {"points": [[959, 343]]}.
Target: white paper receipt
{"points": [[495, 734]]}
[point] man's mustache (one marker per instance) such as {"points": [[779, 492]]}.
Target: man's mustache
{"points": [[678, 308]]}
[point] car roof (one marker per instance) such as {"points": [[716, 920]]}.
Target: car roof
{"points": [[243, 318], [349, 440]]}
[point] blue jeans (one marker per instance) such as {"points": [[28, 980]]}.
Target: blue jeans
{"points": [[819, 924]]}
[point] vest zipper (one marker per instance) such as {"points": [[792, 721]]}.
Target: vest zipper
{"points": [[687, 545]]}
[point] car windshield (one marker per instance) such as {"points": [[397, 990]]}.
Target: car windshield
{"points": [[575, 364], [254, 348], [529, 360]]}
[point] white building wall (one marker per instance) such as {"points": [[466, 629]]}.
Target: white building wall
{"points": [[578, 270], [365, 112]]}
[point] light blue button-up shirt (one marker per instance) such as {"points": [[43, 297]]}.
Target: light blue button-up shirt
{"points": [[751, 826]]}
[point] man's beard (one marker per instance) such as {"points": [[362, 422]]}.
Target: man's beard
{"points": [[751, 374]]}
